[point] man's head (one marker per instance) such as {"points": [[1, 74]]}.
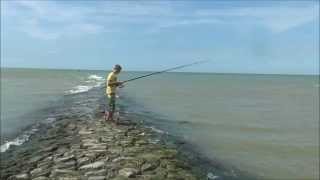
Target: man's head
{"points": [[117, 68]]}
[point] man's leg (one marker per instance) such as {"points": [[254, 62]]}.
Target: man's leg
{"points": [[112, 106], [106, 107]]}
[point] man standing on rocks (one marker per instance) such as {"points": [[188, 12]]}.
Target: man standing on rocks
{"points": [[112, 84]]}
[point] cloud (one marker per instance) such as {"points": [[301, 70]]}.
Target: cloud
{"points": [[276, 18], [188, 22], [127, 8], [49, 20]]}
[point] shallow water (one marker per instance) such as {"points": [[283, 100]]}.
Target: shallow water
{"points": [[266, 125]]}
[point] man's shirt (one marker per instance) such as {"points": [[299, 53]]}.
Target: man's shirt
{"points": [[112, 78]]}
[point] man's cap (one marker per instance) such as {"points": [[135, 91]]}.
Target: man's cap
{"points": [[117, 67]]}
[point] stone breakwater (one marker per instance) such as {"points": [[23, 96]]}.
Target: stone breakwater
{"points": [[94, 150]]}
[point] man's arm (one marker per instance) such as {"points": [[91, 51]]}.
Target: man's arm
{"points": [[114, 83]]}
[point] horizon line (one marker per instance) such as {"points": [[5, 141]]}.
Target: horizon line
{"points": [[199, 72]]}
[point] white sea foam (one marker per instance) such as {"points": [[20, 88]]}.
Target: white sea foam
{"points": [[98, 84], [79, 89], [157, 130], [18, 141], [211, 176], [91, 82], [95, 77], [50, 120]]}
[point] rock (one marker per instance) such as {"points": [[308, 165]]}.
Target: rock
{"points": [[120, 178], [69, 153], [84, 132], [98, 150], [128, 172], [122, 158], [91, 155], [160, 173], [168, 165], [142, 134], [64, 159], [19, 177], [72, 126], [97, 178], [45, 164], [65, 142], [61, 151], [39, 172], [174, 176], [134, 149], [90, 140], [82, 161], [126, 143], [66, 165], [88, 144], [69, 178], [186, 175], [149, 166], [128, 162], [95, 165], [96, 173], [141, 142], [150, 157], [50, 149], [98, 147], [63, 172], [75, 147], [50, 158], [167, 153], [41, 178], [36, 159], [181, 164], [115, 150], [106, 139]]}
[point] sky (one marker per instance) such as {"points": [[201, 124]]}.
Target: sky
{"points": [[276, 37]]}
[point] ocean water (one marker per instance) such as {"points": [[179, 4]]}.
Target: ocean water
{"points": [[266, 125], [28, 96]]}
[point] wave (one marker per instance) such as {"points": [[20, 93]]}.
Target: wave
{"points": [[79, 89], [157, 130], [24, 137], [18, 141], [95, 77], [91, 82]]}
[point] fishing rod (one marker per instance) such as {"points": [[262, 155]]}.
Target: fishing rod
{"points": [[166, 70]]}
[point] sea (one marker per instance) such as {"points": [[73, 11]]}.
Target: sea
{"points": [[265, 125]]}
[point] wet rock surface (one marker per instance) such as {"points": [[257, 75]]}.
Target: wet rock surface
{"points": [[94, 150]]}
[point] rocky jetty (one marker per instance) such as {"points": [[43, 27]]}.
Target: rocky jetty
{"points": [[94, 150]]}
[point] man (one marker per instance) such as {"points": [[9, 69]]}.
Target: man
{"points": [[112, 85]]}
